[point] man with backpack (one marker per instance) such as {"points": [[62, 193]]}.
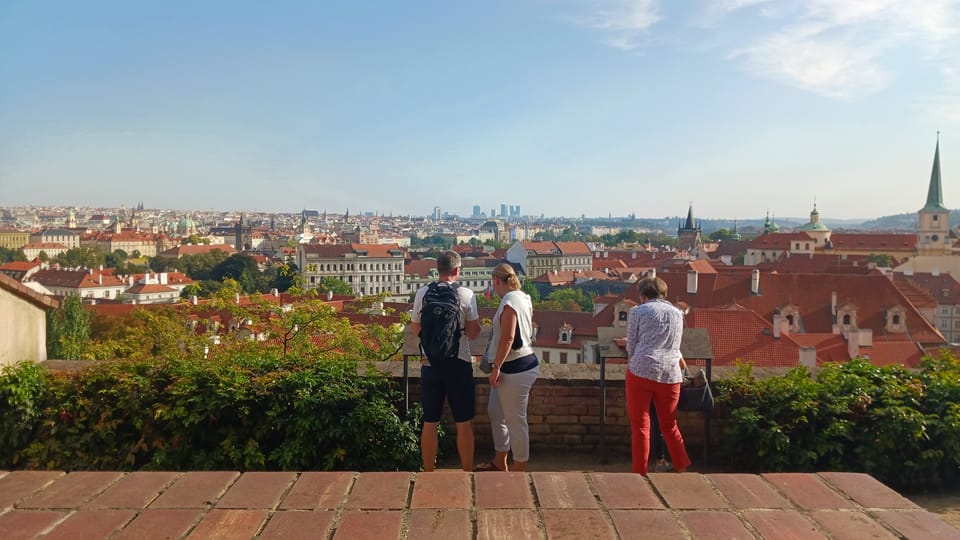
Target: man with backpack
{"points": [[445, 317]]}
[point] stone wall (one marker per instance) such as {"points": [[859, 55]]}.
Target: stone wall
{"points": [[565, 409]]}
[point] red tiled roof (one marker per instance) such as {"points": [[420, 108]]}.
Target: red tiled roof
{"points": [[811, 293], [20, 266], [20, 290], [778, 240], [878, 242], [76, 279], [745, 336], [141, 288], [420, 268], [573, 248], [339, 250], [540, 248]]}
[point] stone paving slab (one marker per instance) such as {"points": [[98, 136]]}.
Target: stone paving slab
{"points": [[71, 491], [455, 504], [135, 490], [503, 490], [90, 524]]}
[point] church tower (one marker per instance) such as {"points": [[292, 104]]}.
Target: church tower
{"points": [[243, 235], [933, 220], [688, 234]]}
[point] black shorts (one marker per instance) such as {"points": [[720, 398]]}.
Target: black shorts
{"points": [[453, 383]]}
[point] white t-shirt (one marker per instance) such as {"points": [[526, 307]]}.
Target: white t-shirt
{"points": [[523, 306], [468, 312]]}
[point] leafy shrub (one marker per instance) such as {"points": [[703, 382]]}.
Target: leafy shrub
{"points": [[902, 427], [246, 412]]}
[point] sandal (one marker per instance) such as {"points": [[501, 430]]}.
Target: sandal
{"points": [[486, 467]]}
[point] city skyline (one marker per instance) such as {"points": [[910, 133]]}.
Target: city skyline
{"points": [[561, 108]]}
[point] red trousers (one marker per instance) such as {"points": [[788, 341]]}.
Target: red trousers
{"points": [[640, 392]]}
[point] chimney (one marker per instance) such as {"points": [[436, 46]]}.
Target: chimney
{"points": [[100, 279], [275, 292], [236, 297], [853, 343], [808, 357], [329, 296], [755, 281], [776, 324], [692, 282], [130, 280], [833, 305], [784, 326], [193, 299], [163, 278]]}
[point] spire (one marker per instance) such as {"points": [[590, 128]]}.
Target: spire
{"points": [[934, 192], [690, 224]]}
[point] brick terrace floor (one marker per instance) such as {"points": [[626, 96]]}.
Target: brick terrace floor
{"points": [[452, 504]]}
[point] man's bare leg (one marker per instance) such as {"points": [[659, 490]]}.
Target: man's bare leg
{"points": [[428, 445], [464, 444]]}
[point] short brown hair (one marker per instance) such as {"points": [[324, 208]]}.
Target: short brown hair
{"points": [[447, 262], [652, 287]]}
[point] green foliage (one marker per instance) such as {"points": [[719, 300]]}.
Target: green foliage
{"points": [[245, 412], [116, 259], [239, 267], [200, 267], [901, 427], [881, 259], [338, 286], [81, 256], [11, 255], [531, 289], [68, 330], [568, 299]]}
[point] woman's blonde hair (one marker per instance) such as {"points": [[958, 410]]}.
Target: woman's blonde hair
{"points": [[505, 272]]}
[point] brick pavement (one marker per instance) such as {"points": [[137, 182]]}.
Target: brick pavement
{"points": [[452, 505]]}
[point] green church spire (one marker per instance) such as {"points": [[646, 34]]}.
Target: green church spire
{"points": [[935, 193]]}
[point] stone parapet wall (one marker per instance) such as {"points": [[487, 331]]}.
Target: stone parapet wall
{"points": [[565, 409]]}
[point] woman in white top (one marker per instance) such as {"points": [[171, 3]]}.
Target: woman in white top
{"points": [[514, 369]]}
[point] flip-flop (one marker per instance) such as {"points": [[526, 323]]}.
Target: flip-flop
{"points": [[486, 467]]}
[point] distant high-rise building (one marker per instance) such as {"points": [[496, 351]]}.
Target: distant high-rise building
{"points": [[503, 210], [476, 210], [436, 213], [515, 211]]}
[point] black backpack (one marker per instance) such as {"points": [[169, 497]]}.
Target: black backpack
{"points": [[440, 323]]}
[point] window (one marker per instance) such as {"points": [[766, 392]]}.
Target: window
{"points": [[563, 358], [546, 354], [846, 319], [622, 316], [896, 319]]}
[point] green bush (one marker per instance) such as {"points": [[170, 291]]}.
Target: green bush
{"points": [[900, 426], [246, 413]]}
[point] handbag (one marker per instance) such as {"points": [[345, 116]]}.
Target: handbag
{"points": [[695, 393]]}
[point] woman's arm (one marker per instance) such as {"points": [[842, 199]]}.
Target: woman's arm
{"points": [[632, 325], [508, 327]]}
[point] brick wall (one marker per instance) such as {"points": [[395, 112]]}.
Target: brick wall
{"points": [[564, 410]]}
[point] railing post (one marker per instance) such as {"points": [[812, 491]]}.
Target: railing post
{"points": [[406, 385], [603, 406]]}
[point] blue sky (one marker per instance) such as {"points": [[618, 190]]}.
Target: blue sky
{"points": [[562, 107]]}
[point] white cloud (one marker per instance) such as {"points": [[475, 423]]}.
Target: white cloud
{"points": [[624, 21], [837, 47], [829, 67], [945, 105]]}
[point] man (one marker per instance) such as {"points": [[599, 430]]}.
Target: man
{"points": [[450, 380]]}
